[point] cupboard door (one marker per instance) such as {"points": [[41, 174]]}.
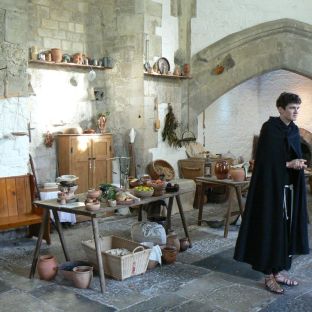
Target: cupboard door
{"points": [[81, 161], [102, 165]]}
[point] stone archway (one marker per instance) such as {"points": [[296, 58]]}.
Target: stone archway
{"points": [[281, 44]]}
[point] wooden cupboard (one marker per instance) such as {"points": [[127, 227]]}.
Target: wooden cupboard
{"points": [[87, 156]]}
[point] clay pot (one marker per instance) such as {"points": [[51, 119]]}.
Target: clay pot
{"points": [[93, 206], [56, 55], [172, 240], [82, 276], [177, 71], [169, 254], [237, 174], [92, 193], [186, 69], [77, 58], [222, 168], [47, 267], [184, 244]]}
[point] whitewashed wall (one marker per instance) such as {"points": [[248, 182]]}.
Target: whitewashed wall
{"points": [[233, 120], [14, 150], [56, 105], [217, 19]]}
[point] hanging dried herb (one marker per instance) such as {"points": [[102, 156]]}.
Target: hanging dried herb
{"points": [[169, 131]]}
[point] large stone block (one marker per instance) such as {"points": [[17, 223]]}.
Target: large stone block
{"points": [[51, 43], [16, 26], [61, 14], [50, 24], [2, 28], [129, 24]]}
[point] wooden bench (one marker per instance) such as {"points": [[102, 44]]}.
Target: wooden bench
{"points": [[16, 205]]}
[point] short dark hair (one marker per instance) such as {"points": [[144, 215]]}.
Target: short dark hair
{"points": [[287, 98]]}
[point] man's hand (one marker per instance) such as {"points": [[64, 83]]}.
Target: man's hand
{"points": [[296, 164]]}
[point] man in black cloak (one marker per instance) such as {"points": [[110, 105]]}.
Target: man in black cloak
{"points": [[274, 224]]}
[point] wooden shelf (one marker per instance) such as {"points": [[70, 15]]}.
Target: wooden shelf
{"points": [[67, 65], [167, 76]]}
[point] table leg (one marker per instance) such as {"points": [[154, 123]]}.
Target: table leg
{"points": [[183, 218], [201, 190], [96, 235], [169, 210], [43, 226], [239, 199], [228, 214], [58, 227], [140, 213]]}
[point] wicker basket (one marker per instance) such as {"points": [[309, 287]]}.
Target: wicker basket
{"points": [[119, 267], [159, 168]]}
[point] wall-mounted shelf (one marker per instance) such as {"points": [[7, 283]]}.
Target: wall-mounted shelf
{"points": [[67, 65], [167, 76]]}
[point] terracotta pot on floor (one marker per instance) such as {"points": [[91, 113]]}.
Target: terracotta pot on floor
{"points": [[169, 254], [47, 267], [82, 276]]}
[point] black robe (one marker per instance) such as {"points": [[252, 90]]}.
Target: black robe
{"points": [[263, 240]]}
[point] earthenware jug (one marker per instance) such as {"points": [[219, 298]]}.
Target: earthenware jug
{"points": [[169, 254], [184, 244], [172, 240], [222, 168], [56, 55], [47, 267]]}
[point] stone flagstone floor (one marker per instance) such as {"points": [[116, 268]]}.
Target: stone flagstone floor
{"points": [[204, 278]]}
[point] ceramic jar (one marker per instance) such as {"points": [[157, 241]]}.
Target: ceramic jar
{"points": [[169, 254], [172, 240], [82, 276], [237, 174], [56, 55], [47, 267], [186, 69], [184, 244], [222, 168]]}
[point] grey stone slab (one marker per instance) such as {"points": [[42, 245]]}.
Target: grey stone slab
{"points": [[291, 304], [66, 300], [116, 294], [16, 300], [240, 298], [4, 286], [198, 289], [224, 262], [158, 303], [196, 306]]}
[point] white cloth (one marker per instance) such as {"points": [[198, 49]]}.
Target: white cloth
{"points": [[63, 216]]}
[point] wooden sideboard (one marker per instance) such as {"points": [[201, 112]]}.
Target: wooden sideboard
{"points": [[87, 156]]}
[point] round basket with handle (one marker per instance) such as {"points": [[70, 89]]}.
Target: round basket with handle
{"points": [[161, 168]]}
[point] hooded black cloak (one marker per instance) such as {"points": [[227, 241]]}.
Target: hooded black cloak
{"points": [[264, 241]]}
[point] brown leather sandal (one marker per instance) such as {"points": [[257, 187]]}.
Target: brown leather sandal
{"points": [[272, 285], [280, 278]]}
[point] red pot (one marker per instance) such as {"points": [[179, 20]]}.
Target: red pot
{"points": [[222, 168], [47, 267]]}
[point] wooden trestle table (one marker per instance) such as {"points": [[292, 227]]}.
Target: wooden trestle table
{"points": [[78, 208]]}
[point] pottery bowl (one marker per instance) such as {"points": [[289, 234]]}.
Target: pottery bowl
{"points": [[92, 193], [143, 193], [93, 206]]}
